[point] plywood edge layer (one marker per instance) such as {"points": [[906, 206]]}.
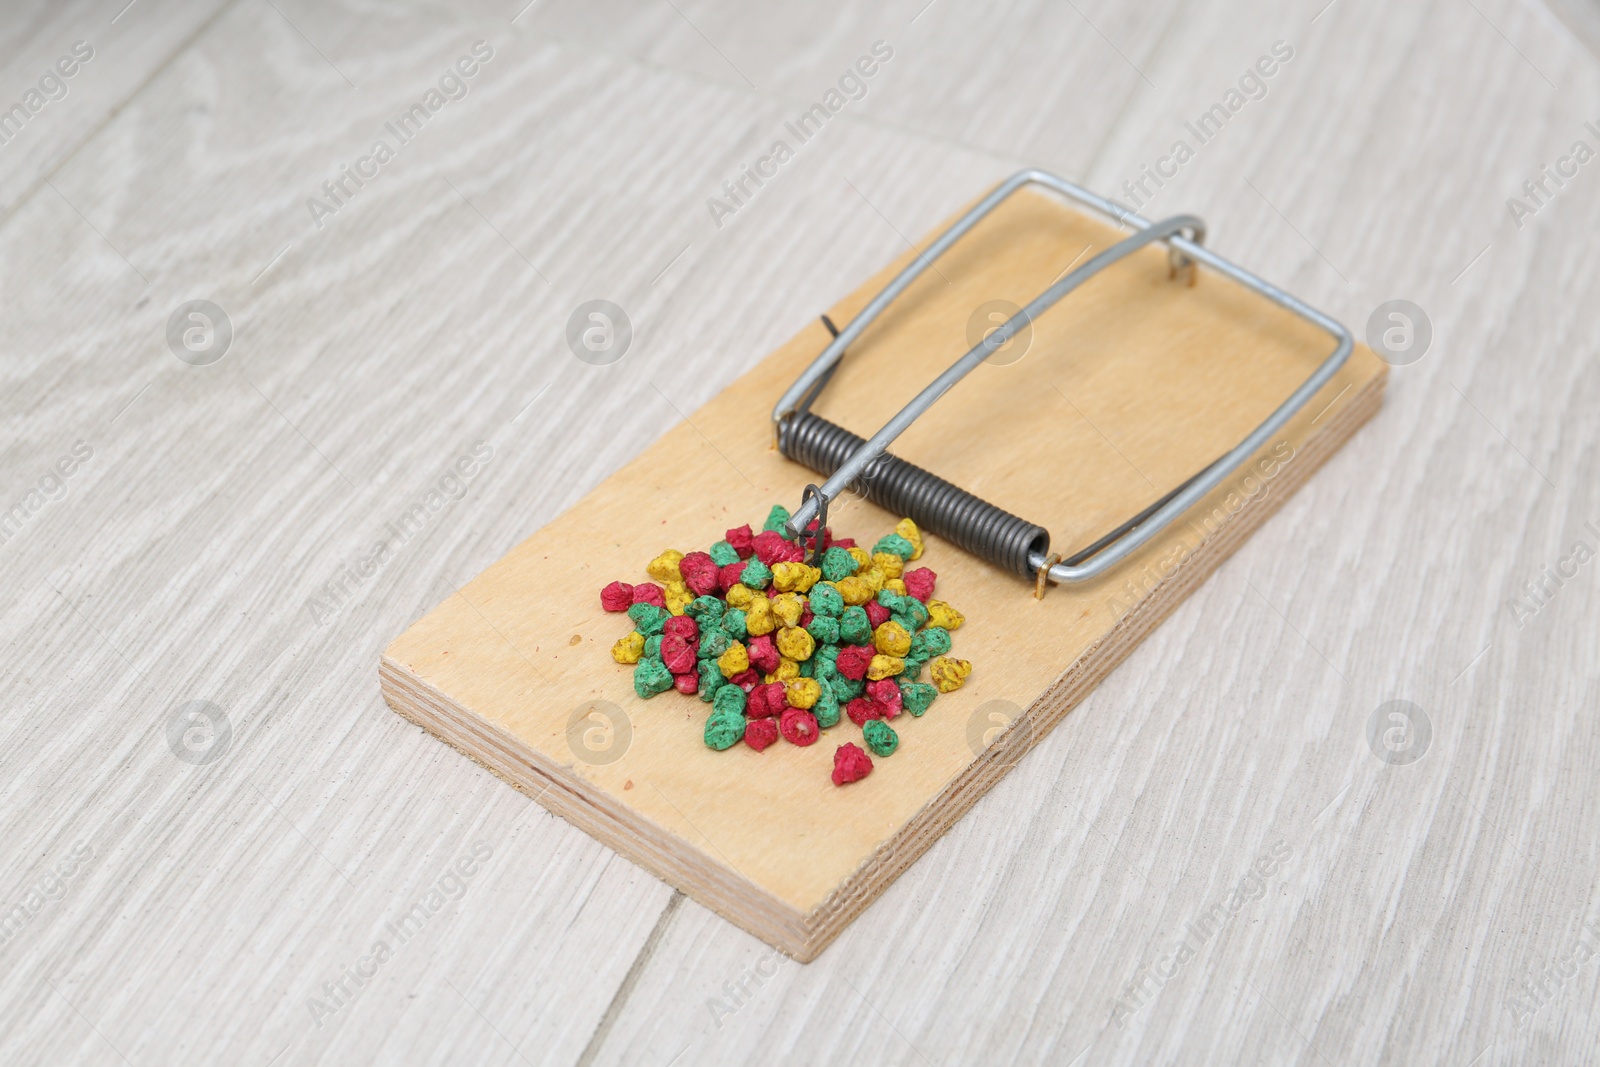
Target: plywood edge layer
{"points": [[897, 854], [554, 788]]}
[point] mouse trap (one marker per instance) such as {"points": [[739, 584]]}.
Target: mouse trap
{"points": [[1088, 414]]}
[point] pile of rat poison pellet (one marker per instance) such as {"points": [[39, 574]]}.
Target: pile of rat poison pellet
{"points": [[777, 647]]}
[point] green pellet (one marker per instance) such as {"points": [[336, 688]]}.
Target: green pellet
{"points": [[827, 652], [914, 609], [896, 544], [651, 677], [824, 631], [652, 646], [725, 729], [916, 696], [713, 643], [854, 626], [723, 554], [934, 641], [825, 599], [733, 624], [837, 564], [913, 667], [807, 668], [728, 701], [777, 519], [756, 575], [826, 709], [648, 619], [880, 737], [711, 679], [705, 610], [845, 690]]}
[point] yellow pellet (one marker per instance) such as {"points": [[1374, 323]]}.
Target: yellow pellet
{"points": [[787, 671], [908, 529], [787, 577], [664, 568], [678, 597], [740, 595], [874, 579], [794, 577], [629, 649], [890, 564], [942, 614], [802, 692], [758, 617], [896, 586], [794, 643], [891, 639], [860, 556], [883, 667], [733, 661], [949, 674], [788, 607], [855, 590]]}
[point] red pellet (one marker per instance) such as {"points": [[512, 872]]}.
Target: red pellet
{"points": [[746, 680], [827, 536], [877, 614], [765, 701], [759, 733], [763, 653], [649, 593], [741, 540], [845, 542], [862, 709], [771, 547], [677, 652], [805, 617], [687, 684], [728, 577], [799, 727], [919, 583], [854, 660], [682, 625], [618, 596], [850, 764], [700, 573], [886, 696]]}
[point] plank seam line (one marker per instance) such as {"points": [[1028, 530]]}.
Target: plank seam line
{"points": [[868, 122], [619, 999], [1122, 118], [112, 115]]}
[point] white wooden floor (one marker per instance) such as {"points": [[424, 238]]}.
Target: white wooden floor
{"points": [[172, 912]]}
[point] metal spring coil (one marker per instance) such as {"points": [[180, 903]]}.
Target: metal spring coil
{"points": [[902, 488]]}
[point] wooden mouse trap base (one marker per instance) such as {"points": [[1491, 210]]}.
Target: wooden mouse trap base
{"points": [[1126, 388]]}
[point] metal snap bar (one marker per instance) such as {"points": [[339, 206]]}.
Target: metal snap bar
{"points": [[977, 526]]}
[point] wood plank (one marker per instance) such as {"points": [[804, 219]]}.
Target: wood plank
{"points": [[498, 668], [993, 77], [117, 52], [1419, 897]]}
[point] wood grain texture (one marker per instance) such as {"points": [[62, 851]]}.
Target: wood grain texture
{"points": [[378, 348], [125, 49]]}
